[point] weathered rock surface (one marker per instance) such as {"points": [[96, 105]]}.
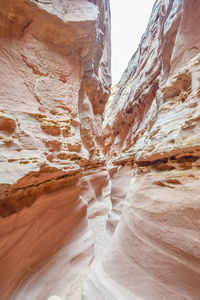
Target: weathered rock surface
{"points": [[55, 81], [152, 126], [57, 189]]}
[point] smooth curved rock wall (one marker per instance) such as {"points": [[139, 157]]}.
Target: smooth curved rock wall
{"points": [[54, 57], [152, 124]]}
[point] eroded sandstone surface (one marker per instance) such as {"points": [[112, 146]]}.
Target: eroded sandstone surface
{"points": [[151, 129], [55, 82], [82, 175]]}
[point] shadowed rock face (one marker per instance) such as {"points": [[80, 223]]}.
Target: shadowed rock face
{"points": [[55, 81], [152, 127]]}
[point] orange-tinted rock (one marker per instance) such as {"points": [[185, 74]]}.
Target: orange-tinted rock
{"points": [[153, 119], [59, 191], [53, 54]]}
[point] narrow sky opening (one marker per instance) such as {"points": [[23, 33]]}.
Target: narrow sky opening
{"points": [[129, 19]]}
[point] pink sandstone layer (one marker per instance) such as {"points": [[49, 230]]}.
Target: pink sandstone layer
{"points": [[71, 161], [152, 128], [55, 81]]}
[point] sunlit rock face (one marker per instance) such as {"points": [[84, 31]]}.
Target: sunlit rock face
{"points": [[67, 177], [152, 127], [55, 81]]}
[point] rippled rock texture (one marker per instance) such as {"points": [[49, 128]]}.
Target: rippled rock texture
{"points": [[152, 127], [64, 172], [55, 81]]}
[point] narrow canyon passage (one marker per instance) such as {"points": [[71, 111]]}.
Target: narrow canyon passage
{"points": [[99, 193]]}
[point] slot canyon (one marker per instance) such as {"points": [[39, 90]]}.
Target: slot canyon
{"points": [[99, 186]]}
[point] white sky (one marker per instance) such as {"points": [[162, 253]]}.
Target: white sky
{"points": [[129, 22]]}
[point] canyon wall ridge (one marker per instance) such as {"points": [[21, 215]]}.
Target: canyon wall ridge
{"points": [[152, 142], [55, 82], [99, 195]]}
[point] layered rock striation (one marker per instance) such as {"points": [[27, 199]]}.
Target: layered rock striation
{"points": [[72, 162], [152, 130], [55, 81]]}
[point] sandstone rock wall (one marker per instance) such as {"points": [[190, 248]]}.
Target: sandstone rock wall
{"points": [[63, 171], [152, 126], [55, 81]]}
